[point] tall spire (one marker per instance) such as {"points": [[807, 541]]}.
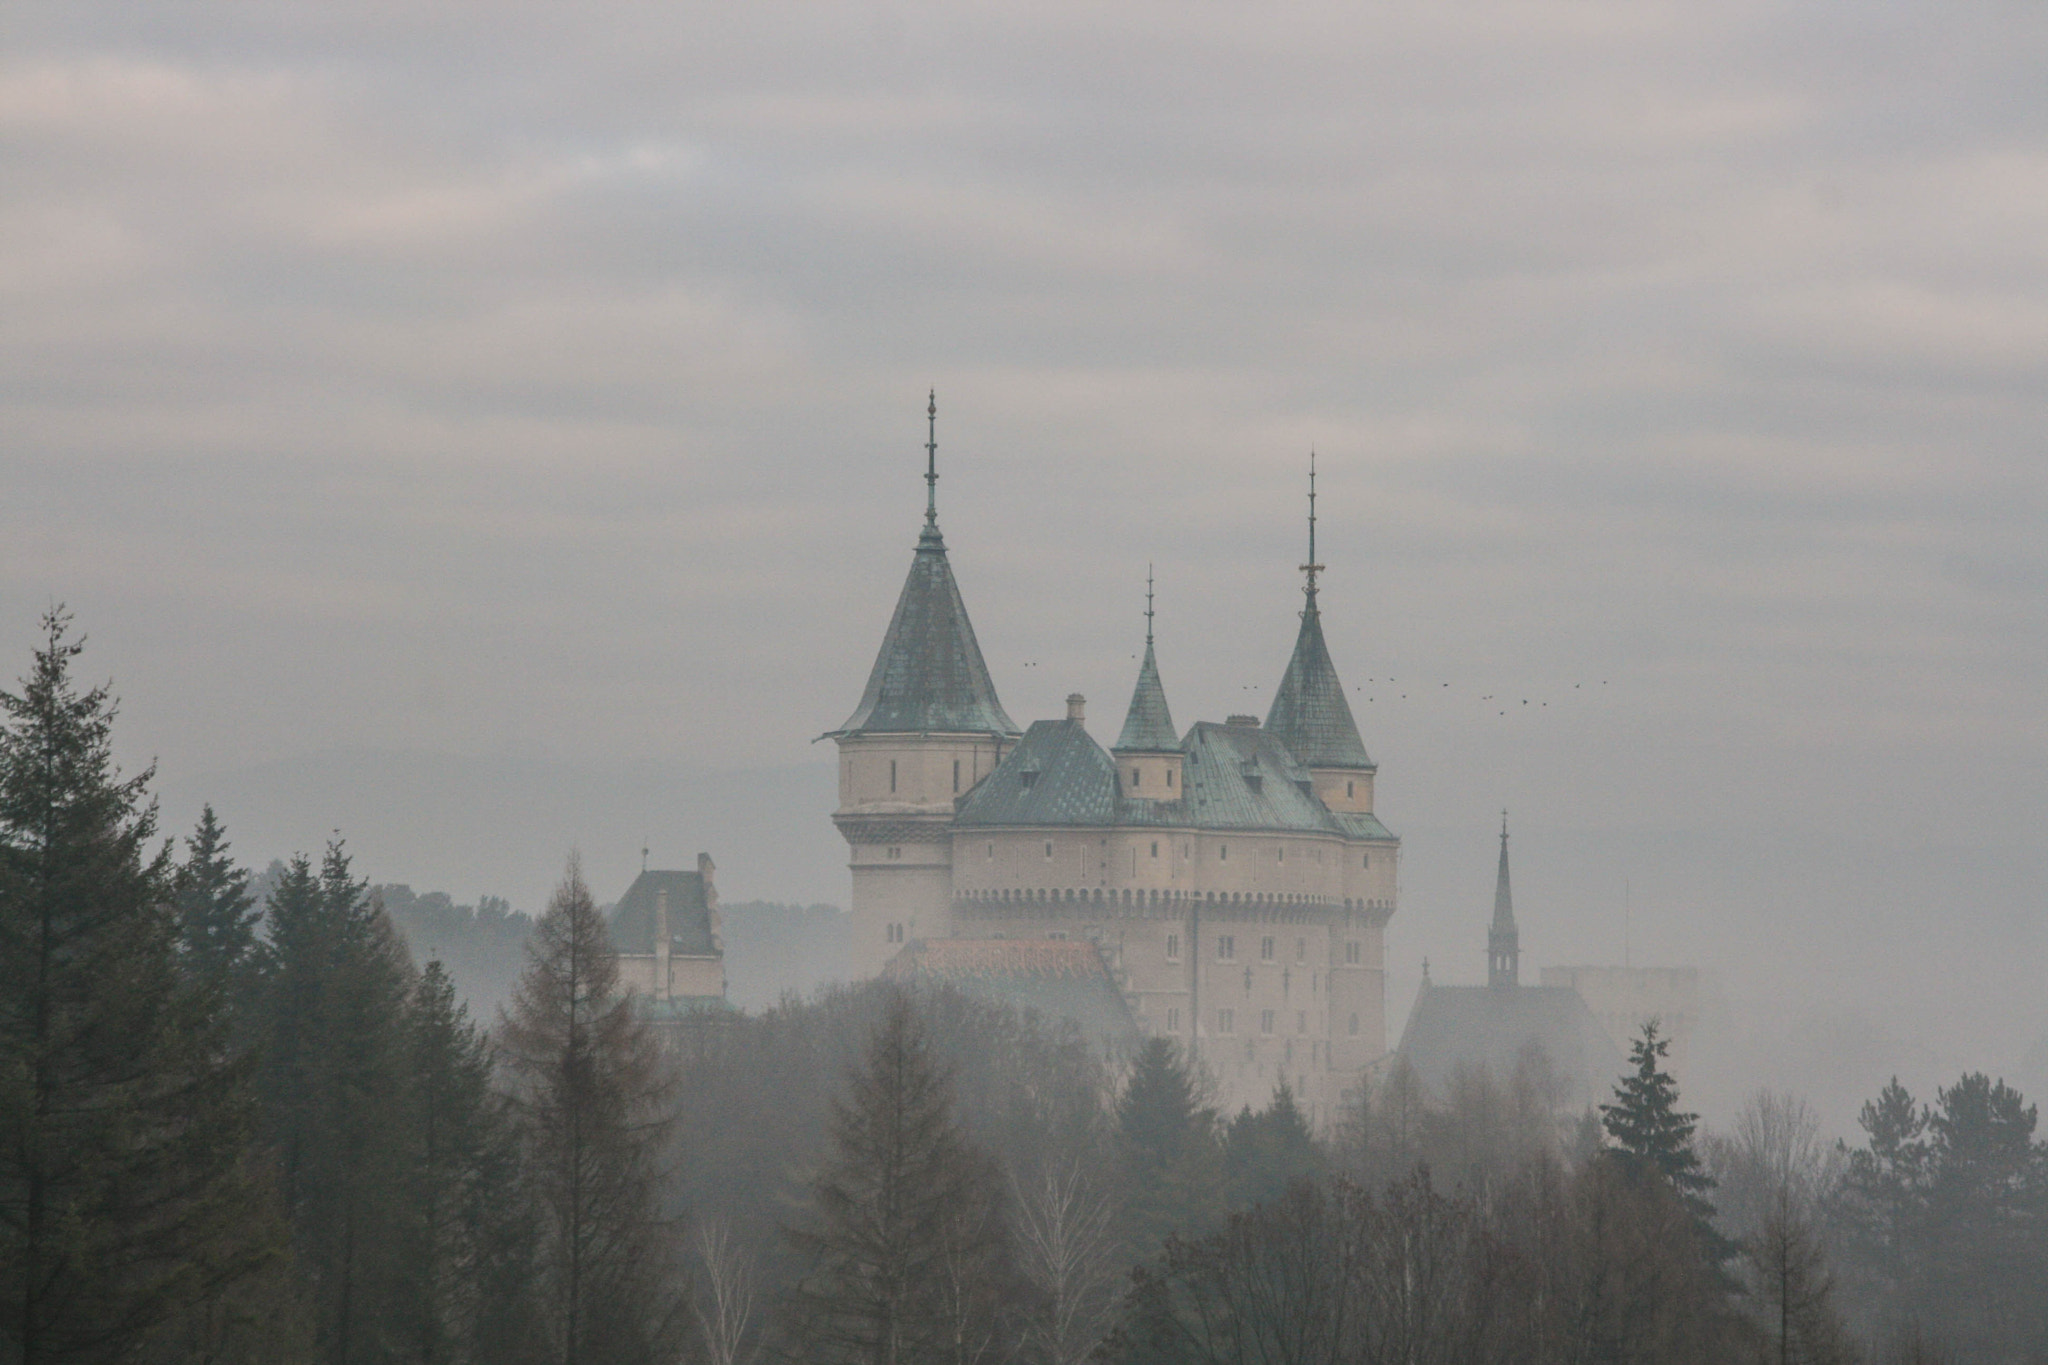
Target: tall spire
{"points": [[1311, 568], [1148, 725], [1310, 714], [929, 676], [931, 462], [1503, 940]]}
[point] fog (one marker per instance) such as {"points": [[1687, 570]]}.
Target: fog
{"points": [[491, 431]]}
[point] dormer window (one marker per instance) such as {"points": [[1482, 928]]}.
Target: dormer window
{"points": [[1029, 777], [892, 774]]}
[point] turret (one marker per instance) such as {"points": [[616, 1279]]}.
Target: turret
{"points": [[1148, 751], [1310, 713], [928, 727]]}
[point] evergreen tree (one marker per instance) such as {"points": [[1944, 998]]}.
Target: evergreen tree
{"points": [[337, 982], [591, 1092], [1166, 1140], [217, 916], [1266, 1152], [908, 1244], [455, 1143], [1653, 1136], [123, 1122]]}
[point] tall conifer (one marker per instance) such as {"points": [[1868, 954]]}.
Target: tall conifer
{"points": [[590, 1092], [123, 1122], [1653, 1136]]}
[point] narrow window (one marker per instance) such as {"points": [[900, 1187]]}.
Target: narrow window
{"points": [[1283, 853], [1226, 1021], [956, 774], [1155, 848], [1223, 853], [1354, 1026], [1301, 950], [1048, 848], [1226, 948], [1134, 779], [1351, 957], [892, 774], [1169, 777], [1173, 947], [1368, 860], [1266, 948], [1266, 1022], [1173, 1021], [1351, 789], [991, 852], [1301, 1021]]}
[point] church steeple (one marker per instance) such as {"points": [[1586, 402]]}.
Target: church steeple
{"points": [[929, 676], [1503, 940], [1310, 714], [1148, 725]]}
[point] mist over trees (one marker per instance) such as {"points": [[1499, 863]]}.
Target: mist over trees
{"points": [[244, 1119]]}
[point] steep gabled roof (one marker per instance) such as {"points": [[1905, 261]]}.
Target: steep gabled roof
{"points": [[691, 930], [929, 675], [1148, 725], [1057, 775], [1310, 715], [1475, 1027]]}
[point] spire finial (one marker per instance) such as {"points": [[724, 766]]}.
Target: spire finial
{"points": [[1503, 824], [1148, 606], [931, 461], [1311, 568]]}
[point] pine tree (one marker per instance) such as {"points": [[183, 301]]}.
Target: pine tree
{"points": [[455, 1141], [1652, 1135], [1267, 1151], [908, 1243], [124, 1195], [1166, 1139], [591, 1093], [217, 916], [333, 1081]]}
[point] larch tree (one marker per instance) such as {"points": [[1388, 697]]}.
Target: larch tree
{"points": [[908, 1242], [591, 1092], [124, 1193]]}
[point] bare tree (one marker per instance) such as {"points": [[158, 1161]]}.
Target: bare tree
{"points": [[1068, 1247], [726, 1306]]}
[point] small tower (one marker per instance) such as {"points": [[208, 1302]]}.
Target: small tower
{"points": [[928, 728], [1309, 711], [1148, 752], [1503, 940]]}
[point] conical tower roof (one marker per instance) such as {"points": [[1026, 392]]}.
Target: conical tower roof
{"points": [[1148, 725], [929, 675], [1309, 713]]}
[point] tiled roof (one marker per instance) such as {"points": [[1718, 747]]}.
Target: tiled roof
{"points": [[691, 933], [1310, 714], [1148, 725], [929, 675], [1489, 1026], [1233, 776], [1057, 775]]}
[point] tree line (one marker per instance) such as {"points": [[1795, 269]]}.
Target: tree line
{"points": [[243, 1129]]}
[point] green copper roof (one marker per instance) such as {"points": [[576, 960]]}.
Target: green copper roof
{"points": [[1235, 777], [929, 675], [1057, 775], [1310, 715], [1148, 725]]}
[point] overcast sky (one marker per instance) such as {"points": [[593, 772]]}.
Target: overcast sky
{"points": [[420, 403]]}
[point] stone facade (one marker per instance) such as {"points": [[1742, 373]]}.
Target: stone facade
{"points": [[1234, 878]]}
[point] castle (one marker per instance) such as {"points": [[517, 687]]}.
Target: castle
{"points": [[1232, 880]]}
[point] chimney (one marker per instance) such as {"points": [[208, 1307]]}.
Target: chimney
{"points": [[661, 945], [1076, 705], [705, 869]]}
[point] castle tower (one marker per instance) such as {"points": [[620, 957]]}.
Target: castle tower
{"points": [[1148, 751], [1310, 714], [1503, 940], [928, 728]]}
